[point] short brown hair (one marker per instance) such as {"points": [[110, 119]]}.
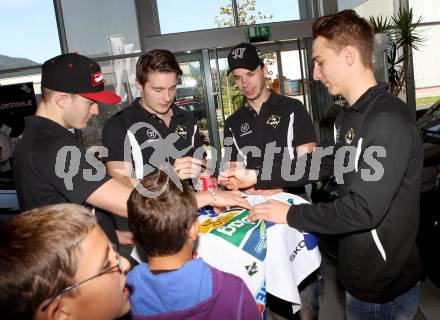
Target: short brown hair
{"points": [[158, 60], [46, 94], [160, 225], [38, 256], [347, 28]]}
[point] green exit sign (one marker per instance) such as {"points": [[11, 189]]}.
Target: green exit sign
{"points": [[258, 33]]}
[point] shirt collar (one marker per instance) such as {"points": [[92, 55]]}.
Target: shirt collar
{"points": [[176, 110], [43, 122], [273, 100], [363, 102]]}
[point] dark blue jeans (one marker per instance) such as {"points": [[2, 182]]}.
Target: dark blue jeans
{"points": [[403, 307]]}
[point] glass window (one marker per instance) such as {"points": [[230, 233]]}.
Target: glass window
{"points": [[231, 97], [181, 15], [429, 10], [293, 84], [426, 68], [429, 124], [101, 27], [29, 33], [258, 11], [369, 8], [119, 76]]}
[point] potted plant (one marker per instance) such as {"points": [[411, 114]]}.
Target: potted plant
{"points": [[403, 37]]}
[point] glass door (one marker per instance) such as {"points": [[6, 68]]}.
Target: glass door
{"points": [[196, 94], [207, 91], [288, 74]]}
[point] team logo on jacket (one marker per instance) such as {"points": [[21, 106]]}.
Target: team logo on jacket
{"points": [[273, 120], [152, 134], [181, 131], [349, 136]]}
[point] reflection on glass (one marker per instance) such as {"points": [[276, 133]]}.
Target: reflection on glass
{"points": [[231, 97], [29, 33], [368, 8], [91, 25], [190, 96], [428, 9], [426, 68], [118, 78], [181, 16], [201, 14], [293, 86], [258, 11]]}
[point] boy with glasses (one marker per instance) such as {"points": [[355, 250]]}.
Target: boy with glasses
{"points": [[56, 263]]}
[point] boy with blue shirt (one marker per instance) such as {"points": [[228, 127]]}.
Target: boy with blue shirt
{"points": [[173, 285]]}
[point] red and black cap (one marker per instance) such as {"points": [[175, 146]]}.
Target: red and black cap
{"points": [[74, 73], [244, 55]]}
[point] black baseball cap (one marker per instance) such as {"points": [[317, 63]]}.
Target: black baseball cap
{"points": [[74, 73], [244, 56]]}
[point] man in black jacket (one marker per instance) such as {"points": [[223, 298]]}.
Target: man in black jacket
{"points": [[377, 157], [267, 119]]}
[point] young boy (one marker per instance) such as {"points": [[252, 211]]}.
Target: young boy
{"points": [[56, 263], [173, 285]]}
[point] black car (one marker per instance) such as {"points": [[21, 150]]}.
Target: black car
{"points": [[429, 230]]}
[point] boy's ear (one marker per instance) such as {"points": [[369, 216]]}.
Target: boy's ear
{"points": [[193, 231], [54, 311]]}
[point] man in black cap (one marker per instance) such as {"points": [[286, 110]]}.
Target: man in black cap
{"points": [[50, 164], [264, 118]]}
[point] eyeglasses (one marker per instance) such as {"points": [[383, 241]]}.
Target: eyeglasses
{"points": [[117, 266]]}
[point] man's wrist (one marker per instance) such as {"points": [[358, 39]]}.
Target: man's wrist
{"points": [[214, 197]]}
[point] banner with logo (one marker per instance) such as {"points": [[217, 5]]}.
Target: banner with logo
{"points": [[17, 101], [266, 256]]}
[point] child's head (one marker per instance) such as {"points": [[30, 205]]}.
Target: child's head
{"points": [[55, 262], [161, 225]]}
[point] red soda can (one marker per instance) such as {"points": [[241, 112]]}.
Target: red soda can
{"points": [[206, 182]]}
